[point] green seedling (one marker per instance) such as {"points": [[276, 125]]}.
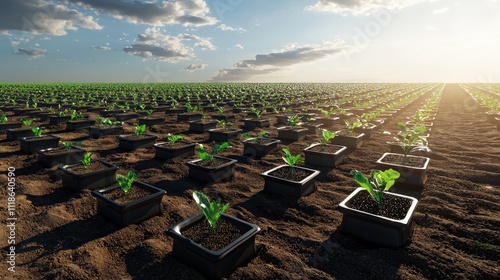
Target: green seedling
{"points": [[326, 136], [294, 121], [3, 118], [220, 110], [139, 129], [86, 160], [76, 115], [37, 131], [223, 124], [379, 182], [26, 122], [258, 137], [210, 157], [173, 138], [411, 140], [351, 126], [68, 144], [125, 182], [212, 210], [149, 112], [290, 159]]}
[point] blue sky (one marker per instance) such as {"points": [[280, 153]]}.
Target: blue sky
{"points": [[250, 41]]}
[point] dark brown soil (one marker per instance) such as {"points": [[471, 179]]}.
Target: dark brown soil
{"points": [[261, 141], [60, 150], [296, 175], [202, 234], [175, 145], [135, 192], [212, 163], [325, 149], [393, 207], [59, 234], [409, 161], [94, 166], [136, 137]]}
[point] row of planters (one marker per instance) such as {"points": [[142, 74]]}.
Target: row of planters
{"points": [[487, 100]]}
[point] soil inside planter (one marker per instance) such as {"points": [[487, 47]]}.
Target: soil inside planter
{"points": [[59, 150], [174, 146], [202, 234], [214, 163], [297, 175], [410, 161], [43, 137], [261, 141], [136, 137], [136, 192], [393, 207], [94, 166], [325, 149]]}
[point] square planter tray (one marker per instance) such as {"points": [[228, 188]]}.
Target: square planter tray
{"points": [[92, 180], [289, 188]]}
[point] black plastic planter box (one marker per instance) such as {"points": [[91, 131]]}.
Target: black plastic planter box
{"points": [[92, 180], [312, 128], [5, 126], [132, 212], [287, 133], [227, 118], [175, 111], [150, 121], [255, 123], [46, 116], [18, 133], [221, 135], [32, 144], [290, 188], [98, 131], [368, 131], [110, 113], [254, 149], [411, 178], [164, 151], [201, 126], [351, 142], [126, 116], [223, 172], [186, 117], [127, 144], [23, 111], [214, 264], [324, 159], [80, 124], [54, 120], [376, 229], [63, 156], [327, 121]]}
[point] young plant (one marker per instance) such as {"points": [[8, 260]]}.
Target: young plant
{"points": [[290, 159], [173, 138], [223, 124], [149, 113], [76, 115], [258, 137], [411, 140], [294, 121], [3, 118], [379, 182], [212, 210], [125, 182], [258, 113], [326, 136], [139, 129], [351, 126], [68, 144], [210, 157], [86, 160], [220, 110], [37, 131], [27, 122], [190, 108]]}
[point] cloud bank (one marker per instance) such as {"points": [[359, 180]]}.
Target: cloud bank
{"points": [[291, 55]]}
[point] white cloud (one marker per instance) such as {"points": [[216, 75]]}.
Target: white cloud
{"points": [[101, 48], [290, 55], [194, 67], [358, 7], [157, 46], [431, 28], [34, 53], [238, 46], [441, 11], [42, 17], [224, 27], [157, 13]]}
